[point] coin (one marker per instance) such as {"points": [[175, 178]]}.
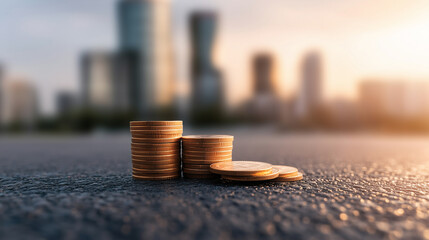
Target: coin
{"points": [[198, 166], [186, 161], [200, 176], [294, 177], [154, 128], [156, 123], [196, 171], [241, 168], [154, 136], [138, 177], [208, 138], [145, 153], [138, 171], [156, 132], [285, 171], [206, 149], [159, 146], [156, 166], [155, 140], [274, 174], [193, 157], [154, 157], [206, 145], [156, 162], [208, 154]]}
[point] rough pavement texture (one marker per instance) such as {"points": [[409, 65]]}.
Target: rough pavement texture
{"points": [[355, 187]]}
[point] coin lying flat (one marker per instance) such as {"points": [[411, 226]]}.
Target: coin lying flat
{"points": [[152, 136], [155, 177], [204, 153], [200, 176], [294, 177], [206, 149], [156, 123], [185, 161], [154, 157], [274, 174], [193, 157], [208, 138], [155, 162], [138, 171], [156, 132], [206, 145], [196, 171], [241, 168], [285, 171], [196, 166], [150, 153], [156, 166], [155, 140], [154, 128]]}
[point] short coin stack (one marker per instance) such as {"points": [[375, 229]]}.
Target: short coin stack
{"points": [[248, 171], [155, 149], [199, 151]]}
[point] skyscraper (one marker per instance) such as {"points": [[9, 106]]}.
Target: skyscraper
{"points": [[263, 74], [207, 97], [105, 87], [144, 30], [22, 104], [310, 98]]}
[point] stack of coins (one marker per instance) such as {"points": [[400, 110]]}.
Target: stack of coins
{"points": [[155, 149], [199, 151], [245, 171]]}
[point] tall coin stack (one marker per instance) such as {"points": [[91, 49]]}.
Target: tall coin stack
{"points": [[199, 151], [155, 149]]}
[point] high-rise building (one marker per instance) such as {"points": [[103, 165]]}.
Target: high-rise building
{"points": [[144, 30], [207, 89], [263, 74], [66, 103], [264, 105], [21, 104], [310, 98], [105, 87]]}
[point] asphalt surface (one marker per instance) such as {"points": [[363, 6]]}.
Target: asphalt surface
{"points": [[355, 187]]}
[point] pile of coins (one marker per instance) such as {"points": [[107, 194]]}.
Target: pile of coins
{"points": [[245, 171], [199, 151], [155, 149]]}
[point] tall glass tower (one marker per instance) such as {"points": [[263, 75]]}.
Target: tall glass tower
{"points": [[207, 99], [145, 35]]}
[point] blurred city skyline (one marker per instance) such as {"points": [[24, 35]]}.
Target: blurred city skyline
{"points": [[42, 42]]}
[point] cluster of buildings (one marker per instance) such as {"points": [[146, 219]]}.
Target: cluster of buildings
{"points": [[137, 80]]}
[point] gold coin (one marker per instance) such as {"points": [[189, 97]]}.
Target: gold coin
{"points": [[241, 168], [196, 171], [153, 136], [159, 146], [208, 138], [137, 171], [200, 176], [155, 162], [206, 149], [155, 140], [196, 166], [156, 132], [153, 178], [192, 157], [145, 153], [293, 177], [186, 161], [155, 157], [285, 171], [206, 145], [156, 166], [157, 128], [274, 174], [204, 154], [156, 123]]}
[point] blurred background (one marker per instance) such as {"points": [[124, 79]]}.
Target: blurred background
{"points": [[80, 66]]}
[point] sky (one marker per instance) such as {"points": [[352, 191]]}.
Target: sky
{"points": [[42, 41]]}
